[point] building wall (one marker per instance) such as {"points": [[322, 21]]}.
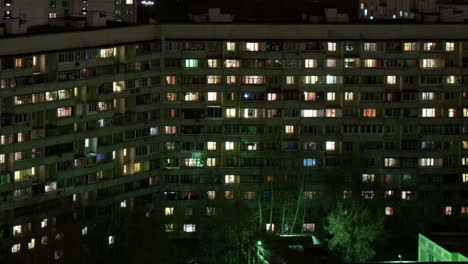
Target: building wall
{"points": [[101, 118]]}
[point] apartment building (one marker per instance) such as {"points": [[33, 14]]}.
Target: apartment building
{"points": [[196, 117]]}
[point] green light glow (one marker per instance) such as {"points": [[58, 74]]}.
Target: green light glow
{"points": [[259, 243]]}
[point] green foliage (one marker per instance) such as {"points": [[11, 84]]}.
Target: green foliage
{"points": [[354, 231]]}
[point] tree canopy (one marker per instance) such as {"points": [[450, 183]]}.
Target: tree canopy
{"points": [[354, 230]]}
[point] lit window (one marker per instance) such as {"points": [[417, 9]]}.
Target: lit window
{"points": [[231, 63], [15, 248], [52, 15], [272, 96], [427, 162], [451, 79], [84, 231], [370, 63], [129, 2], [464, 210], [229, 179], [32, 244], [308, 227], [311, 80], [389, 211], [252, 46], [448, 210], [289, 79], [123, 204], [191, 63], [390, 162], [108, 52], [289, 129], [270, 227], [64, 111], [44, 223], [369, 112], [230, 46], [17, 230], [311, 113], [330, 112], [331, 46], [428, 112], [310, 96], [213, 63], [2, 158], [347, 194], [253, 79], [351, 62], [451, 112], [310, 63], [330, 145], [230, 112], [349, 96], [118, 87], [430, 46], [211, 162], [212, 96], [427, 96], [333, 79], [211, 195], [449, 46], [191, 96], [431, 63], [211, 145], [330, 96], [410, 46], [331, 63], [170, 129], [465, 112], [169, 211], [464, 161], [368, 195], [231, 79], [370, 46], [309, 162], [368, 178], [391, 79], [213, 79], [229, 145]]}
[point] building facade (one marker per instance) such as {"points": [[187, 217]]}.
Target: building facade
{"points": [[197, 117]]}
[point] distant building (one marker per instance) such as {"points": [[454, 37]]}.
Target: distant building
{"points": [[443, 247]]}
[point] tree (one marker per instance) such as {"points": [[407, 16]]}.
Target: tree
{"points": [[354, 230]]}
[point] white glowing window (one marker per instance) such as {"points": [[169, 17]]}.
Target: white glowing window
{"points": [[212, 96], [367, 195], [231, 79], [189, 228], [107, 53], [370, 46], [410, 46], [129, 2], [310, 63], [17, 230], [330, 96], [310, 113], [308, 227], [229, 63], [431, 63], [310, 96], [2, 158], [230, 46], [451, 79], [330, 145], [348, 96], [230, 112], [368, 178], [272, 96], [191, 96], [464, 161], [465, 112], [331, 46], [428, 96], [451, 112], [211, 145], [123, 204], [44, 223], [250, 113], [331, 63], [229, 145], [388, 211], [252, 46], [211, 195], [230, 179], [270, 227], [428, 112], [427, 162], [213, 63], [391, 79], [32, 244], [15, 248], [110, 240], [449, 46], [448, 210], [64, 111], [169, 211], [211, 162], [333, 79], [213, 79], [311, 79], [430, 46], [191, 63], [289, 129], [253, 79], [290, 79], [390, 162]]}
